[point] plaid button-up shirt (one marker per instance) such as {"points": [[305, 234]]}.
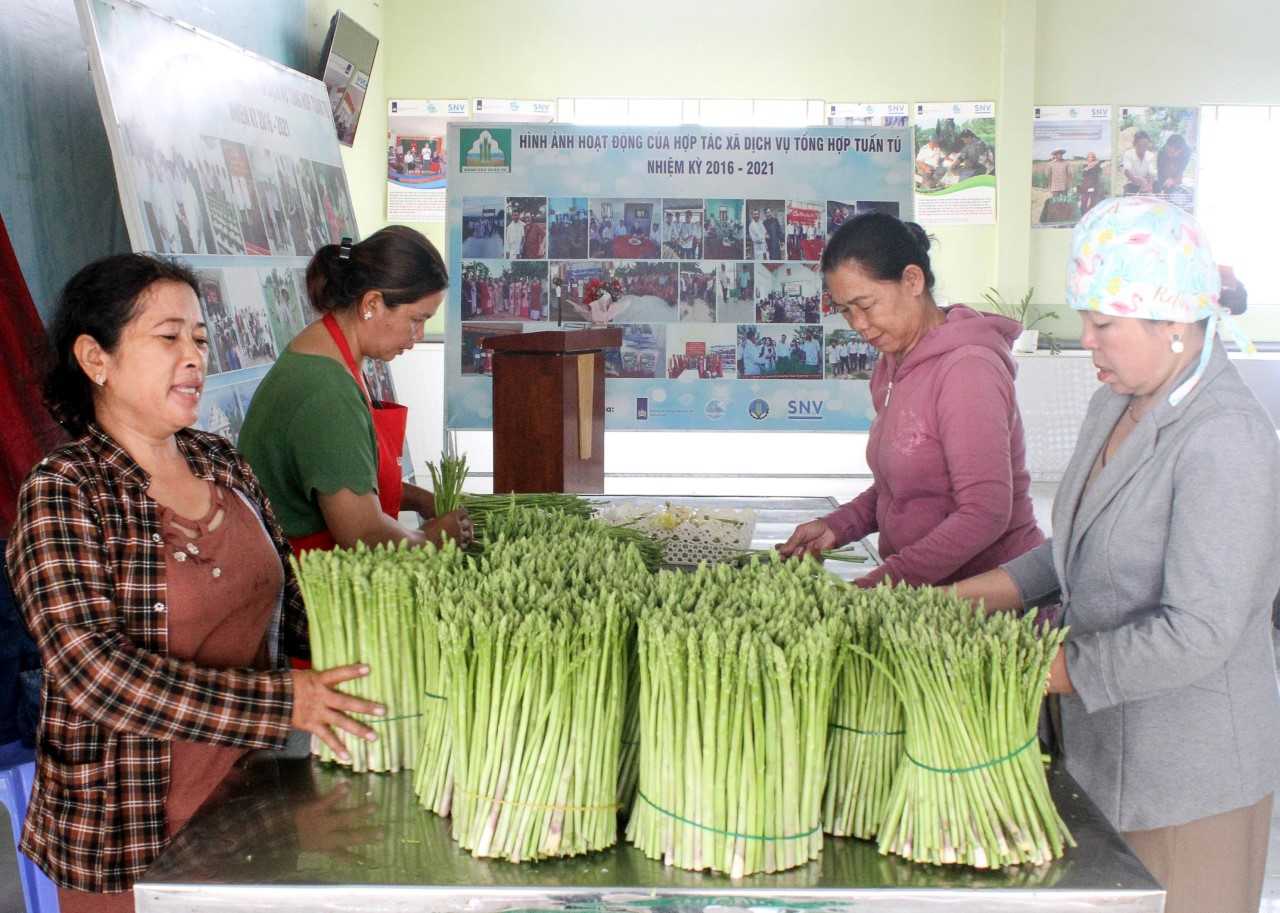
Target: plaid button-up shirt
{"points": [[89, 572]]}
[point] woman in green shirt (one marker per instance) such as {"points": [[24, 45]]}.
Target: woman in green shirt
{"points": [[328, 455]]}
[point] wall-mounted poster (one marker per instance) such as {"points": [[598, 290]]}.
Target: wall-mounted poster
{"points": [[230, 162], [348, 55], [855, 114], [417, 160], [1158, 153], [955, 164], [1070, 163], [710, 239]]}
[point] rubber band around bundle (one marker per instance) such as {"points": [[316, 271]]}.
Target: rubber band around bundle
{"points": [[540, 806], [715, 830], [435, 697], [868, 731], [392, 719], [985, 764]]}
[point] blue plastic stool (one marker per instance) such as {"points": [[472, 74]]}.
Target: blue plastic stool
{"points": [[16, 775]]}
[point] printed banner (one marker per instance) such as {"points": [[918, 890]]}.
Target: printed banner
{"points": [[348, 56], [1158, 153], [1070, 163], [712, 238], [417, 160], [955, 164]]}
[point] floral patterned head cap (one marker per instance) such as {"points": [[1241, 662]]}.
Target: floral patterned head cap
{"points": [[1146, 258]]}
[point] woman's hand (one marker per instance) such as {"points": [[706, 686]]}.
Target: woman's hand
{"points": [[318, 706], [813, 538], [456, 525], [1059, 679]]}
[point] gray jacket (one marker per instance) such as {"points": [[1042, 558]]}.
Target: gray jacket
{"points": [[1167, 568]]}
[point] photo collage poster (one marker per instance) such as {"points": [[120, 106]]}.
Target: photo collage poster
{"points": [[1157, 148], [714, 237], [229, 163]]}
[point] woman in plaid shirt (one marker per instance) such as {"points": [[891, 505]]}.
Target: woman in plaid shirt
{"points": [[155, 580]]}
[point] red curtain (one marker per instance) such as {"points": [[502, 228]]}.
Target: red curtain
{"points": [[26, 430]]}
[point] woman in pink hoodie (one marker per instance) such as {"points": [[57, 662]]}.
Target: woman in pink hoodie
{"points": [[950, 486]]}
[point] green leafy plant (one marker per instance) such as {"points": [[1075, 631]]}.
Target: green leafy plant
{"points": [[1028, 314]]}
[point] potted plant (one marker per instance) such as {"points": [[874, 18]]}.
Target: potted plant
{"points": [[1025, 313]]}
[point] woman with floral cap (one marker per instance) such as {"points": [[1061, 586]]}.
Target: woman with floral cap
{"points": [[1169, 706]]}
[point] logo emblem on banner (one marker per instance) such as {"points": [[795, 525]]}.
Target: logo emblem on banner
{"points": [[714, 409], [758, 410], [485, 150]]}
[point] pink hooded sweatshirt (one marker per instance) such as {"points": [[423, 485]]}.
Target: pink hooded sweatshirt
{"points": [[950, 492]]}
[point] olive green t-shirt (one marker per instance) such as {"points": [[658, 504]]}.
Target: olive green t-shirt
{"points": [[309, 432]]}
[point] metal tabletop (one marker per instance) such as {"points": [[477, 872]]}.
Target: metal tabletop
{"points": [[294, 834]]}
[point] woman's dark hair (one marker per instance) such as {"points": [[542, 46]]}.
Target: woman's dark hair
{"points": [[882, 245], [396, 261], [98, 301]]}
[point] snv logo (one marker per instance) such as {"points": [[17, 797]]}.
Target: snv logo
{"points": [[805, 410]]}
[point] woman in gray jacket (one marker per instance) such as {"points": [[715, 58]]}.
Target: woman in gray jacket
{"points": [[1166, 558]]}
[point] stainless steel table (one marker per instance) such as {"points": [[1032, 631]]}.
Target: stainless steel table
{"points": [[297, 835], [292, 834]]}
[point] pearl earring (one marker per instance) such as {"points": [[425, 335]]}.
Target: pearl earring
{"points": [[1175, 345], [100, 379], [367, 315]]}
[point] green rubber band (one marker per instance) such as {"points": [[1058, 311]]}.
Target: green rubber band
{"points": [[868, 731], [437, 697], [964, 770], [392, 719], [716, 830]]}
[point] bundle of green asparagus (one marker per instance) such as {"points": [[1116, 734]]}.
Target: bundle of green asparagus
{"points": [[361, 608], [536, 681], [864, 747], [736, 675], [972, 787]]}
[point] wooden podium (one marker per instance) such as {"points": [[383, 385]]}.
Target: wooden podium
{"points": [[548, 410]]}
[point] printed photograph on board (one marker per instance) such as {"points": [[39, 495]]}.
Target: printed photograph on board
{"points": [[701, 351], [170, 189], [250, 321], [244, 194], [711, 288], [335, 202], [841, 211], [285, 308], [765, 233], [266, 179], [641, 352], [483, 224], [504, 290], [567, 220], [625, 229], [788, 293], [1157, 152], [681, 229], [779, 352], [526, 232], [805, 232], [849, 356], [415, 159], [950, 150], [649, 290], [722, 230], [224, 352], [377, 380], [222, 411], [476, 359]]}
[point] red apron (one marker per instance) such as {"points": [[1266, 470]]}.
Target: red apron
{"points": [[389, 420]]}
